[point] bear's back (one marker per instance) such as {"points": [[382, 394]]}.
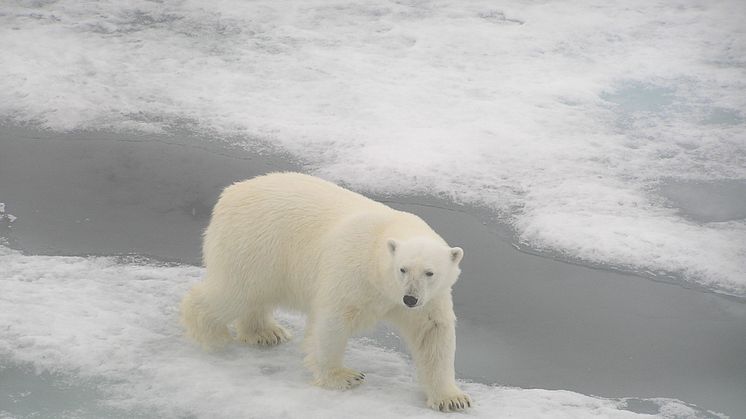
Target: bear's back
{"points": [[296, 194], [285, 208], [300, 205]]}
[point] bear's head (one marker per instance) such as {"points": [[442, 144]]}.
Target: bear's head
{"points": [[423, 268]]}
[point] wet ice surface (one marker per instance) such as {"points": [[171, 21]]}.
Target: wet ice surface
{"points": [[713, 201], [25, 392], [111, 194], [561, 117], [524, 320]]}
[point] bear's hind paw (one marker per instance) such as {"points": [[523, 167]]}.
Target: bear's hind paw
{"points": [[266, 337], [340, 379]]}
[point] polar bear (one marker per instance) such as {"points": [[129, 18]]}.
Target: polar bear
{"points": [[296, 241]]}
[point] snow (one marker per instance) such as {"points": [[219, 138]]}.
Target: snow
{"points": [[115, 322], [562, 117]]}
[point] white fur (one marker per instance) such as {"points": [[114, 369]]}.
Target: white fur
{"points": [[299, 242]]}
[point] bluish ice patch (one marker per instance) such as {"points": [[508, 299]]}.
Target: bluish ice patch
{"points": [[637, 96], [660, 407], [27, 393], [708, 201], [724, 116]]}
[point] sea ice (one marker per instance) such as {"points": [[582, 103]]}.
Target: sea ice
{"points": [[115, 323]]}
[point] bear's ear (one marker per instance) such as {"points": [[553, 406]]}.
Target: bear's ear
{"points": [[456, 254], [391, 244]]}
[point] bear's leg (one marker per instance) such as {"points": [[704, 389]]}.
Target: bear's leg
{"points": [[205, 319], [431, 338], [325, 343], [259, 327]]}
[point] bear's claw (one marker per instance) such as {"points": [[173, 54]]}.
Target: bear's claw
{"points": [[340, 379], [452, 403], [267, 337]]}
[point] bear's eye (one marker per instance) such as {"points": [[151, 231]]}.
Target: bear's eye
{"points": [[403, 270], [429, 273]]}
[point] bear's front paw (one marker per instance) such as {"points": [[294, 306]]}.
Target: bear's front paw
{"points": [[450, 403], [340, 379], [266, 337]]}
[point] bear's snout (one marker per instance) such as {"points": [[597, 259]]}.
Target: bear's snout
{"points": [[410, 301]]}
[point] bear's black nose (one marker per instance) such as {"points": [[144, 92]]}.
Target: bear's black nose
{"points": [[410, 301]]}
